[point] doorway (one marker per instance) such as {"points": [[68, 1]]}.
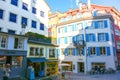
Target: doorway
{"points": [[80, 67]]}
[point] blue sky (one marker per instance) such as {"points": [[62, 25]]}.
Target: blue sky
{"points": [[64, 5]]}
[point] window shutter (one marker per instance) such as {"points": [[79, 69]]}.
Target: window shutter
{"points": [[66, 52], [107, 36], [73, 37], [76, 51], [96, 24], [93, 36], [114, 51], [88, 51], [65, 28], [98, 51], [58, 52], [105, 23], [108, 51], [87, 37], [98, 37], [82, 37], [73, 51], [58, 40], [77, 37], [73, 27]]}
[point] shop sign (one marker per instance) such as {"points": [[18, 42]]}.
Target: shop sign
{"points": [[10, 52]]}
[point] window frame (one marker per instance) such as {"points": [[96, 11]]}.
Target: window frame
{"points": [[34, 10], [92, 51], [42, 13], [25, 6], [1, 13], [14, 2], [19, 44], [34, 24], [13, 17], [5, 42], [103, 51]]}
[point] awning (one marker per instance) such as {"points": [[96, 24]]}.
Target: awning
{"points": [[37, 59]]}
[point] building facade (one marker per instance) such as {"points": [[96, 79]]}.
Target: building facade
{"points": [[19, 17], [94, 26], [13, 51], [28, 13]]}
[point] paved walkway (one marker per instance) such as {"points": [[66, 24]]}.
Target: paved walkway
{"points": [[114, 76]]}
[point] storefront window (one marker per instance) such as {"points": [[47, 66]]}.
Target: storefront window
{"points": [[41, 52], [14, 61], [51, 53]]}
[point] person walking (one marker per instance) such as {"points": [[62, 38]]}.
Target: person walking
{"points": [[7, 71]]}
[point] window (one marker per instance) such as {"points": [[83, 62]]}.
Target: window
{"points": [[13, 17], [92, 51], [41, 13], [51, 53], [0, 29], [31, 51], [19, 43], [11, 32], [34, 24], [41, 51], [103, 37], [62, 40], [70, 39], [25, 6], [102, 50], [62, 30], [90, 37], [69, 28], [24, 21], [1, 14], [70, 51], [3, 41], [100, 24], [41, 26], [58, 30], [36, 51], [79, 26], [34, 1], [62, 51], [14, 2], [33, 10], [14, 61]]}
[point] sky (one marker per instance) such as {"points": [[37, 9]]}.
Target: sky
{"points": [[65, 5]]}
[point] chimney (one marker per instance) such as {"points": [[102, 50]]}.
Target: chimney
{"points": [[89, 4], [80, 6]]}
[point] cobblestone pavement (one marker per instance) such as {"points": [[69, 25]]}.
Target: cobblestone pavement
{"points": [[114, 76]]}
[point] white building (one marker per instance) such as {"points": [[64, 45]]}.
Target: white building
{"points": [[31, 13], [98, 36]]}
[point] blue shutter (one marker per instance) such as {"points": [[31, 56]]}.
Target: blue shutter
{"points": [[66, 52], [96, 24], [58, 52], [65, 40], [98, 37], [1, 14], [93, 36], [88, 51], [87, 37], [105, 23], [107, 36], [77, 37], [112, 37], [114, 51], [98, 51], [83, 51], [76, 51], [73, 51], [82, 37], [108, 51], [58, 40], [73, 27], [73, 37], [65, 28]]}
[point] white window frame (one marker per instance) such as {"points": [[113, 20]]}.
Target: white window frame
{"points": [[20, 44], [3, 41]]}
